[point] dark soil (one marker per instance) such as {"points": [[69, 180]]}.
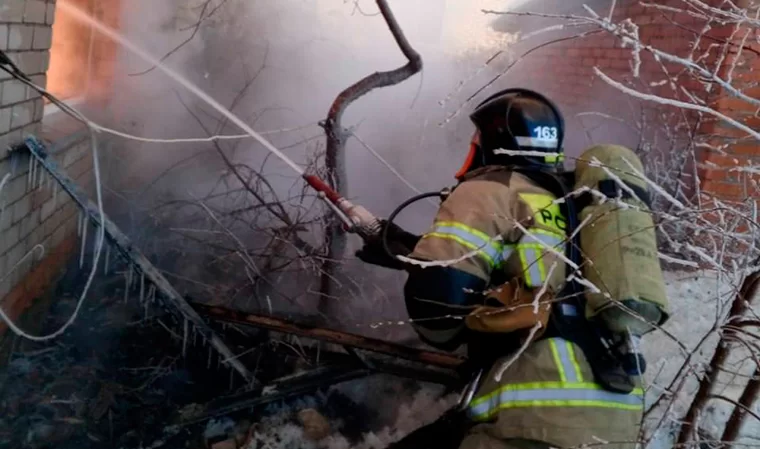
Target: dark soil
{"points": [[117, 378]]}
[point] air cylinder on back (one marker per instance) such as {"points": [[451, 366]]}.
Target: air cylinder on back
{"points": [[619, 243]]}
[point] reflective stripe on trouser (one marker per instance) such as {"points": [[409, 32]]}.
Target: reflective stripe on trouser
{"points": [[569, 391], [553, 394], [490, 249], [531, 248], [564, 358]]}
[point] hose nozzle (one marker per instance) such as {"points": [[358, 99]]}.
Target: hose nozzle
{"points": [[355, 218], [366, 224]]}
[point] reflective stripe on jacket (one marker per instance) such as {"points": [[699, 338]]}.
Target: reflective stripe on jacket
{"points": [[476, 225], [549, 395], [480, 227], [492, 251]]}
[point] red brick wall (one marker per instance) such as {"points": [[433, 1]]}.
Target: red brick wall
{"points": [[105, 50], [564, 71], [82, 60], [735, 148]]}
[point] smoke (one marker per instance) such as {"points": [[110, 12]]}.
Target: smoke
{"points": [[282, 63], [310, 51], [302, 55]]}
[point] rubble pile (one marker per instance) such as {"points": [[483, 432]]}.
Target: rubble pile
{"points": [[117, 379], [110, 381]]}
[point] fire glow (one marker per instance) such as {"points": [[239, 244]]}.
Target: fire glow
{"points": [[68, 74]]}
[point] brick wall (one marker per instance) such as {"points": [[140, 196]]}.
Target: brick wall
{"points": [[39, 214], [564, 71], [81, 58], [25, 33], [729, 148]]}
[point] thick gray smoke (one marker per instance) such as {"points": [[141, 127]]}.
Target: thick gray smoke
{"points": [[296, 57], [310, 52]]}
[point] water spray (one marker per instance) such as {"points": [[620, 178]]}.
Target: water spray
{"points": [[355, 218]]}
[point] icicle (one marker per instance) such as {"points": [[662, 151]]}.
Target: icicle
{"points": [[150, 298], [29, 173], [232, 377], [55, 196], [14, 157], [126, 285], [84, 244], [35, 172], [79, 223], [210, 352], [107, 261], [185, 330], [142, 287], [41, 179], [128, 282]]}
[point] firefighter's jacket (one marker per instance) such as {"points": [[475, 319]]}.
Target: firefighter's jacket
{"points": [[501, 222]]}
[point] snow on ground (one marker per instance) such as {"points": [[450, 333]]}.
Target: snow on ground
{"points": [[697, 300], [280, 431]]}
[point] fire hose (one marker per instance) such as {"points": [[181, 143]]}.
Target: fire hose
{"points": [[358, 219], [355, 218]]}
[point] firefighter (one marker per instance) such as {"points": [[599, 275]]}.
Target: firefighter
{"points": [[499, 246]]}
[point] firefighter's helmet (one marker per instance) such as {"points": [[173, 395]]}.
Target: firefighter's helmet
{"points": [[516, 127]]}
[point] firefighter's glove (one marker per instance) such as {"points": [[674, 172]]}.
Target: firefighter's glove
{"points": [[511, 307], [400, 243]]}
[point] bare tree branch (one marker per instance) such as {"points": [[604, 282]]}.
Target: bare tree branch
{"points": [[748, 291], [743, 407], [337, 136], [197, 26]]}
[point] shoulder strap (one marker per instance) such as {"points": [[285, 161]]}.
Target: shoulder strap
{"points": [[611, 189]]}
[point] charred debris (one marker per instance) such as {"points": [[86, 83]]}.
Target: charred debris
{"points": [[146, 367]]}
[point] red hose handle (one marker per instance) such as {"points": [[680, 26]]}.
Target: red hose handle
{"points": [[321, 186], [355, 218]]}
